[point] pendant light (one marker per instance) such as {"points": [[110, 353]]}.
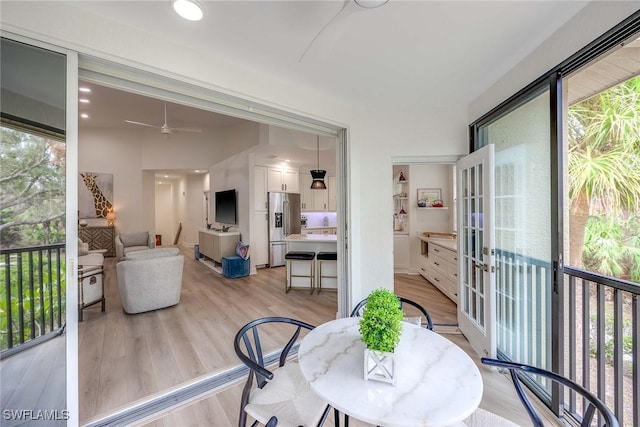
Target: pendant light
{"points": [[318, 174]]}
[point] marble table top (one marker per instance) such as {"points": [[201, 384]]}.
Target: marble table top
{"points": [[437, 383]]}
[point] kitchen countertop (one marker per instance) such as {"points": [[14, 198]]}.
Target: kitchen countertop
{"points": [[451, 244], [301, 238]]}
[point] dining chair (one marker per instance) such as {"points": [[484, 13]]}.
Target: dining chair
{"points": [[281, 396], [591, 406], [428, 323]]}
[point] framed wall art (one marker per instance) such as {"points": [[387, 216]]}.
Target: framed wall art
{"points": [[426, 196]]}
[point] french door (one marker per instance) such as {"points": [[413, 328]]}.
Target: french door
{"points": [[476, 249]]}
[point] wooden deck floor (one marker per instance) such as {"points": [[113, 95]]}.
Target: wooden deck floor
{"points": [[124, 358]]}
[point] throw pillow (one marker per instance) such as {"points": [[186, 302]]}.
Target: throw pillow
{"points": [[140, 238], [242, 250], [83, 248]]}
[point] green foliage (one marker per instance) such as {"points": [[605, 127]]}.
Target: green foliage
{"points": [[381, 321], [604, 170], [44, 300], [32, 189], [612, 246]]}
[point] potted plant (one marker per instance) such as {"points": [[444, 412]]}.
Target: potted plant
{"points": [[380, 327]]}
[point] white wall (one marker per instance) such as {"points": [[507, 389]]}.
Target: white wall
{"points": [[132, 156], [592, 21], [233, 173], [374, 136], [193, 216], [118, 153]]}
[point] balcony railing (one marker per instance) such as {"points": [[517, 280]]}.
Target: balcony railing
{"points": [[601, 333], [602, 341], [32, 294]]}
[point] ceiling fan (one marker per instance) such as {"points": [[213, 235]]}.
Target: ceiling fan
{"points": [[165, 129], [325, 39]]}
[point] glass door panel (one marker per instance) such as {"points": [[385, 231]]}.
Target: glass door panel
{"points": [[521, 139]]}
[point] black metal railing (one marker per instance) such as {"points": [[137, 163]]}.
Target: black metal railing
{"points": [[601, 333], [32, 294], [602, 341]]}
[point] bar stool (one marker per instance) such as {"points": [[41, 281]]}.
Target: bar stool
{"points": [[325, 256], [300, 256]]}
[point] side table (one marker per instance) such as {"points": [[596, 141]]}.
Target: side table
{"points": [[99, 237], [90, 287]]}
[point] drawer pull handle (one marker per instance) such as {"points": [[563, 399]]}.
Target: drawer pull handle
{"points": [[436, 250], [436, 263]]}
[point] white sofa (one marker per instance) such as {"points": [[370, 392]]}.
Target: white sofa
{"points": [[136, 241], [150, 279]]}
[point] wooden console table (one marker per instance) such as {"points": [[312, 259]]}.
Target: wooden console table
{"points": [[99, 237]]}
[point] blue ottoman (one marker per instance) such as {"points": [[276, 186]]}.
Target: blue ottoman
{"points": [[234, 266]]}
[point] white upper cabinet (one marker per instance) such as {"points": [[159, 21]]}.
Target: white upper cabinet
{"points": [[312, 200], [283, 179]]}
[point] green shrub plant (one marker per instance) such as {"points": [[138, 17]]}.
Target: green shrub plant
{"points": [[381, 321]]}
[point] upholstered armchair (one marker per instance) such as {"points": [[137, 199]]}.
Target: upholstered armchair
{"points": [[136, 241], [150, 279]]}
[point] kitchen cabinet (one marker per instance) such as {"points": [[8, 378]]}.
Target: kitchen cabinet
{"points": [[401, 253], [332, 193], [324, 230], [260, 188], [216, 244], [260, 239], [439, 265], [283, 179], [312, 200]]}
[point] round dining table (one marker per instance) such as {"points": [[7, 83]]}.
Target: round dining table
{"points": [[436, 383]]}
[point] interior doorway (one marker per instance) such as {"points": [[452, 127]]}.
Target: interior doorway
{"points": [[423, 209]]}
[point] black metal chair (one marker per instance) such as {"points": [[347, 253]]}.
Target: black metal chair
{"points": [[281, 395], [428, 323], [594, 405]]}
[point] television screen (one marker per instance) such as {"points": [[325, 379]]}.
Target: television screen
{"points": [[225, 209]]}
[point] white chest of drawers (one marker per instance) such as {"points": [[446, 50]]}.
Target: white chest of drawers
{"points": [[440, 267]]}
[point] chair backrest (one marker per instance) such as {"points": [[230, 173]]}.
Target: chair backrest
{"points": [[428, 323], [594, 404], [249, 349]]}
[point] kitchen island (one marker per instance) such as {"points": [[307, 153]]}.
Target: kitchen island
{"points": [[313, 243]]}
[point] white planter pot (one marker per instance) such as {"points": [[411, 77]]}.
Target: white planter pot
{"points": [[379, 366]]}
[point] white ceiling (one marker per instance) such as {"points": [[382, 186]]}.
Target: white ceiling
{"points": [[403, 55]]}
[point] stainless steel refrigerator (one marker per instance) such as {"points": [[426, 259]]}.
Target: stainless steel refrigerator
{"points": [[284, 219]]}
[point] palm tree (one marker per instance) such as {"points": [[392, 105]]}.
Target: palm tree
{"points": [[604, 158]]}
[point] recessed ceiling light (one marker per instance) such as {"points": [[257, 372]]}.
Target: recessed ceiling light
{"points": [[188, 9], [84, 100], [84, 89], [166, 176], [84, 115]]}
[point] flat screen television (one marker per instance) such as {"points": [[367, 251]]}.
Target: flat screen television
{"points": [[226, 207]]}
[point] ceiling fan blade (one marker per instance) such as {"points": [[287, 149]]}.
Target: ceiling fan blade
{"points": [[142, 124], [185, 130], [324, 41]]}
